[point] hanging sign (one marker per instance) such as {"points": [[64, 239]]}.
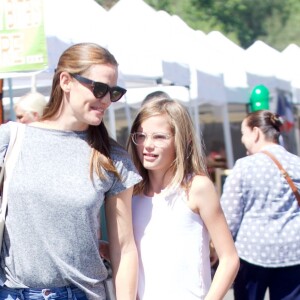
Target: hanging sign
{"points": [[22, 37]]}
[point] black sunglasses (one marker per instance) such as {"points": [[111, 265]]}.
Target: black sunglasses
{"points": [[100, 89]]}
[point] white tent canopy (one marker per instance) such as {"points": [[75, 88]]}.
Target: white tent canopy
{"points": [[130, 40], [228, 58], [75, 21], [290, 67], [172, 39], [154, 47], [135, 96], [261, 65]]}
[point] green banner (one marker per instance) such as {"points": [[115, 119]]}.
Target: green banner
{"points": [[22, 37]]}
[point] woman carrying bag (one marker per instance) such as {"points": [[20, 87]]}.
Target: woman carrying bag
{"points": [[67, 167], [263, 213]]}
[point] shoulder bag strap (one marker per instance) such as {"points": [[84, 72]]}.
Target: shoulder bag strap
{"points": [[12, 139], [285, 175], [16, 136]]}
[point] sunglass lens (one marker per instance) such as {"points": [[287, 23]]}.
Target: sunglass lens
{"points": [[117, 93], [100, 90]]}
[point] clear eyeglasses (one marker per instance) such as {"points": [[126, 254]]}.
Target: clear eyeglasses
{"points": [[159, 139]]}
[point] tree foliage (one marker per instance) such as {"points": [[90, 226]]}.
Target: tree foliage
{"points": [[107, 4], [246, 18], [244, 21]]}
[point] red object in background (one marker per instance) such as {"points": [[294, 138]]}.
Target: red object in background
{"points": [[285, 110], [1, 103]]}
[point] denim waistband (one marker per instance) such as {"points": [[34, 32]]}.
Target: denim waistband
{"points": [[63, 293]]}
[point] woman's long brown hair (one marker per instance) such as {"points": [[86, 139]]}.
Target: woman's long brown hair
{"points": [[77, 59]]}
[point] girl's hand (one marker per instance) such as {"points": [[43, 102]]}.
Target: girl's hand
{"points": [[213, 254], [104, 249]]}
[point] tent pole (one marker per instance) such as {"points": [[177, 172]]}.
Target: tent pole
{"points": [[112, 122], [227, 136], [11, 100], [33, 83], [297, 131], [1, 102], [196, 119], [128, 116]]}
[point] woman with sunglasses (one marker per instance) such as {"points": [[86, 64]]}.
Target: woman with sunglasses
{"points": [[176, 210], [50, 248]]}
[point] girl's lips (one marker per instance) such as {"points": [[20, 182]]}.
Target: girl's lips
{"points": [[150, 154]]}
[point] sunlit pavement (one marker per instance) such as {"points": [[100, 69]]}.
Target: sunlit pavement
{"points": [[229, 295]]}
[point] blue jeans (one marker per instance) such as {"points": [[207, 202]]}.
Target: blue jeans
{"points": [[252, 281], [61, 293]]}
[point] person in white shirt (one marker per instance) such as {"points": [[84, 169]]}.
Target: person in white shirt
{"points": [[176, 210]]}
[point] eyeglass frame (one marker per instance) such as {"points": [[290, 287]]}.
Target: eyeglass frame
{"points": [[146, 135], [93, 84]]}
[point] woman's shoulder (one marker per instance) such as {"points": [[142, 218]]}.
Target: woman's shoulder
{"points": [[6, 126], [5, 137], [119, 153], [117, 150], [121, 157], [248, 161], [5, 132]]}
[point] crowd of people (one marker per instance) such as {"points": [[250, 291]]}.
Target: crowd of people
{"points": [[163, 214]]}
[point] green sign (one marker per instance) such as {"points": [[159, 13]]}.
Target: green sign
{"points": [[22, 38]]}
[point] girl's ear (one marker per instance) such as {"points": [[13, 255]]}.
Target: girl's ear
{"points": [[65, 81]]}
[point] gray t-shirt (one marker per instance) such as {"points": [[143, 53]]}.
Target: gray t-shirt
{"points": [[52, 222]]}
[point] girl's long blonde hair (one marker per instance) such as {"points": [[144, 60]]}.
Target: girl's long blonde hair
{"points": [[190, 158]]}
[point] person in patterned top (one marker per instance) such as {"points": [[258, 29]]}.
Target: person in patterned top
{"points": [[263, 214]]}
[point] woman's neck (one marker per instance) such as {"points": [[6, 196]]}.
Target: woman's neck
{"points": [[58, 125], [262, 145]]}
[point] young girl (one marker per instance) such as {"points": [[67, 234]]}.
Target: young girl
{"points": [[176, 210]]}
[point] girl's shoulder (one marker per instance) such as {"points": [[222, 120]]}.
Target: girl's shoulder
{"points": [[202, 191], [200, 183]]}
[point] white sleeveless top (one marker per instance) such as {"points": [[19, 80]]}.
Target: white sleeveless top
{"points": [[173, 246]]}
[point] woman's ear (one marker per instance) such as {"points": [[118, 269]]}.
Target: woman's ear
{"points": [[35, 116], [257, 133], [65, 81]]}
